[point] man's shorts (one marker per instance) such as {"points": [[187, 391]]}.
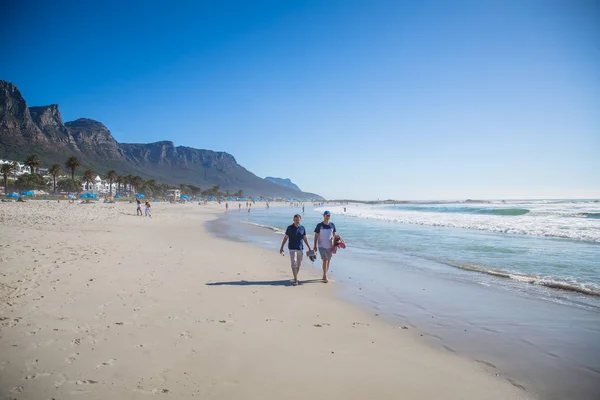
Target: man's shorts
{"points": [[326, 254], [296, 258]]}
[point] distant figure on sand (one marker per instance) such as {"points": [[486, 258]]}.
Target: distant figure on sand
{"points": [[296, 234], [226, 207], [148, 214], [324, 233], [138, 210]]}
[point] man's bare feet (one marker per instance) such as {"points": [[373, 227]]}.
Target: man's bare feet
{"points": [[296, 282], [325, 280]]}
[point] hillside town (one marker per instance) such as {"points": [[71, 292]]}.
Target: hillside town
{"points": [[29, 178], [19, 169]]}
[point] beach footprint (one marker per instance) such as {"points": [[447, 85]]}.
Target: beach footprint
{"points": [[107, 363], [71, 358]]}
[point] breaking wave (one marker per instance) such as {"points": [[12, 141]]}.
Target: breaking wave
{"points": [[587, 289]]}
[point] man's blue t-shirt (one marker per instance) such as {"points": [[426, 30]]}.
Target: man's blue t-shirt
{"points": [[296, 236]]}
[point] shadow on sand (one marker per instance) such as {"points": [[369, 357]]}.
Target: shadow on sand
{"points": [[285, 282]]}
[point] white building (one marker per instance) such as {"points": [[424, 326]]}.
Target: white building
{"points": [[20, 169], [102, 186], [173, 194]]}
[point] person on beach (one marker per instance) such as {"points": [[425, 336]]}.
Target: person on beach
{"points": [[226, 207], [138, 210], [324, 233], [148, 214], [296, 234]]}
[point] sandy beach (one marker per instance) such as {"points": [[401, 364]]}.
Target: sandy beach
{"points": [[98, 303]]}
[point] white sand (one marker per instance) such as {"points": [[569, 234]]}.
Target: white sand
{"points": [[97, 303]]}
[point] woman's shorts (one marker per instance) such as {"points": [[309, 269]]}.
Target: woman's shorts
{"points": [[326, 254]]}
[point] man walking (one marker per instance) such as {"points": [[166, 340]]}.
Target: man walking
{"points": [[296, 235], [324, 233]]}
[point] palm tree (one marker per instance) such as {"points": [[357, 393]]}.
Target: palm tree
{"points": [[150, 188], [119, 180], [127, 179], [54, 170], [15, 168], [73, 164], [195, 190], [136, 182], [88, 177], [111, 176], [34, 163], [6, 169]]}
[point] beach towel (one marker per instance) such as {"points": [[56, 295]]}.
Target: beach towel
{"points": [[338, 243]]}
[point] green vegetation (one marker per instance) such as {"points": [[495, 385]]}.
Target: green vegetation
{"points": [[31, 182], [73, 164], [127, 185], [69, 185], [54, 170], [6, 170]]}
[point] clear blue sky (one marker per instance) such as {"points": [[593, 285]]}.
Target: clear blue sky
{"points": [[349, 99]]}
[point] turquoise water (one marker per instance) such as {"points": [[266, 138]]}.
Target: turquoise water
{"points": [[533, 246], [513, 284]]}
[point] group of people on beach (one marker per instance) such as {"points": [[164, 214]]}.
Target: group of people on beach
{"points": [[325, 233], [147, 206]]}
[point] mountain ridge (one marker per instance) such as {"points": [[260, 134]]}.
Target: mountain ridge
{"points": [[41, 130], [286, 182]]}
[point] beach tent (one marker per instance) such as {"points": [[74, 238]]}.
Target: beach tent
{"points": [[118, 196], [141, 196], [184, 197], [89, 196], [13, 195], [28, 193], [71, 196]]}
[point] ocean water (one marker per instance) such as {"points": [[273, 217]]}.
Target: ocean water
{"points": [[513, 284]]}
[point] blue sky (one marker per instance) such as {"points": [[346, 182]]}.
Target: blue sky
{"points": [[349, 99]]}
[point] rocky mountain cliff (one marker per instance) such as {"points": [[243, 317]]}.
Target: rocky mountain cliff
{"points": [[49, 120], [40, 130], [283, 182]]}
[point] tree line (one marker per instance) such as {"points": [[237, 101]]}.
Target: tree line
{"points": [[126, 185]]}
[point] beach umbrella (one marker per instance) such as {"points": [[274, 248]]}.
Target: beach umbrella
{"points": [[13, 195], [184, 197]]}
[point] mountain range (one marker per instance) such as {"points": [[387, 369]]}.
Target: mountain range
{"points": [[28, 130], [283, 182]]}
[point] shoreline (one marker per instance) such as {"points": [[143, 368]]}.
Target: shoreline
{"points": [[459, 313], [111, 305]]}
